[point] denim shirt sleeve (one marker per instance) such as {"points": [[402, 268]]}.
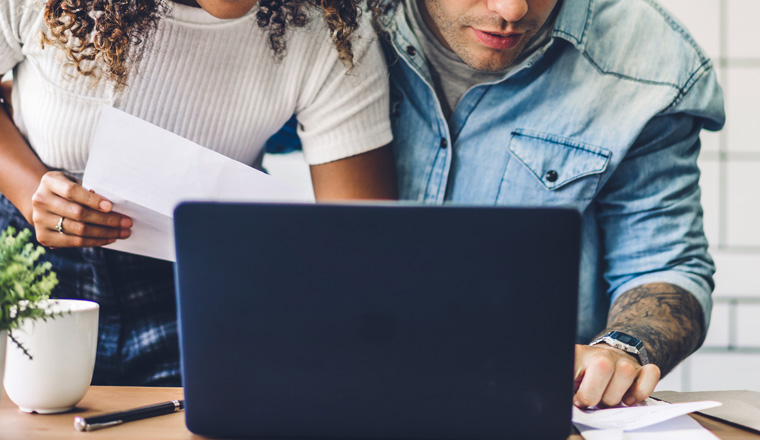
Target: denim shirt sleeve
{"points": [[650, 211]]}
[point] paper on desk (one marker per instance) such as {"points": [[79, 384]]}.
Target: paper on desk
{"points": [[628, 418], [146, 171], [741, 407], [679, 428]]}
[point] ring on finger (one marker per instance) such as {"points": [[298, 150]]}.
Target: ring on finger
{"points": [[59, 226]]}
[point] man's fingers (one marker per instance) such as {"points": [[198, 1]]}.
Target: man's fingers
{"points": [[66, 188], [624, 376], [597, 376], [644, 385], [605, 376]]}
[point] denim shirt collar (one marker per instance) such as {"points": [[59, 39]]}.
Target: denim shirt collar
{"points": [[573, 21], [403, 37]]}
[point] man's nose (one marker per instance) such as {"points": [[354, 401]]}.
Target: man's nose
{"points": [[509, 10]]}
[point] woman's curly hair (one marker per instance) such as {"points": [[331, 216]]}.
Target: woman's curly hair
{"points": [[109, 36]]}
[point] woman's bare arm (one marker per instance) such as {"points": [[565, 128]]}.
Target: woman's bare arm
{"points": [[370, 175], [44, 197]]}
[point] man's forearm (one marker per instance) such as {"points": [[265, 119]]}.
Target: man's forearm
{"points": [[666, 318]]}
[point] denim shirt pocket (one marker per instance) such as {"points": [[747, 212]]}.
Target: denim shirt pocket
{"points": [[549, 169]]}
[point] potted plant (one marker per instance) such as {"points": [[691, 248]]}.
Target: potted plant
{"points": [[24, 284]]}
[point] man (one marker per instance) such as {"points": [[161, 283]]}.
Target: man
{"points": [[595, 104]]}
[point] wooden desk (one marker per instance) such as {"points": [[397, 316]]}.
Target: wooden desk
{"points": [[15, 425]]}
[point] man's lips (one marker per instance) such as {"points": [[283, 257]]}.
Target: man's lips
{"points": [[498, 41]]}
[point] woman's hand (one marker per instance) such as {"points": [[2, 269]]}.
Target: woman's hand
{"points": [[64, 214]]}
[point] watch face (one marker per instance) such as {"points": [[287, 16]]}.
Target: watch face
{"points": [[626, 339]]}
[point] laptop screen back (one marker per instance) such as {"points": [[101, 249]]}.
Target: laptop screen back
{"points": [[319, 321]]}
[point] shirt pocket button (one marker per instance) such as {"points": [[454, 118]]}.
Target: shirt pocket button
{"points": [[551, 176]]}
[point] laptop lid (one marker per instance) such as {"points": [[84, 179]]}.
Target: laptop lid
{"points": [[366, 321]]}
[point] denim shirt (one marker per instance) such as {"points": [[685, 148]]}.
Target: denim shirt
{"points": [[605, 118]]}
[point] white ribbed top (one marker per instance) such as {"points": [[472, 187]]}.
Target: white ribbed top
{"points": [[212, 81]]}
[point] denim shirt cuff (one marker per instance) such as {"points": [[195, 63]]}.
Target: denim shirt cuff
{"points": [[694, 284]]}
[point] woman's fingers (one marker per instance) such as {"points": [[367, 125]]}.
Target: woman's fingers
{"points": [[66, 188], [69, 226], [67, 215], [81, 213], [56, 234], [58, 231]]}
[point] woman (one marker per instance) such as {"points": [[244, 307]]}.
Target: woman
{"points": [[225, 74]]}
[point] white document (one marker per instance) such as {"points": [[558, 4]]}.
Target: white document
{"points": [[147, 171], [741, 407], [637, 416], [679, 428]]}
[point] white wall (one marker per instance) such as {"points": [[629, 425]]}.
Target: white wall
{"points": [[730, 357], [730, 162], [290, 168]]}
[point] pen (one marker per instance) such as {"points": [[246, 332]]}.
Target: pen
{"points": [[119, 417]]}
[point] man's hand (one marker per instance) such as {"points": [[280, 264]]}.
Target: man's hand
{"points": [[606, 376], [666, 318]]}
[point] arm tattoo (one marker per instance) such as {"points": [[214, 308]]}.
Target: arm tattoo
{"points": [[666, 318]]}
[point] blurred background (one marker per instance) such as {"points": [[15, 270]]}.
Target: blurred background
{"points": [[730, 160], [730, 357]]}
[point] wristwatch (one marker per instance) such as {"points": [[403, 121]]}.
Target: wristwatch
{"points": [[625, 342]]}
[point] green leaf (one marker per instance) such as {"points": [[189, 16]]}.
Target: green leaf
{"points": [[24, 282]]}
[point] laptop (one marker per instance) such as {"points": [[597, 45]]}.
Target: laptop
{"points": [[377, 321]]}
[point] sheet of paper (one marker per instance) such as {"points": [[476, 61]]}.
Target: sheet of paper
{"points": [[679, 428], [629, 418], [739, 406], [146, 171]]}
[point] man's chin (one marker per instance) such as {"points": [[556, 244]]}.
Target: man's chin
{"points": [[486, 60], [489, 65]]}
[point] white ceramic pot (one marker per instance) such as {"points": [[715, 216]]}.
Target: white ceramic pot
{"points": [[3, 338], [63, 358]]}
